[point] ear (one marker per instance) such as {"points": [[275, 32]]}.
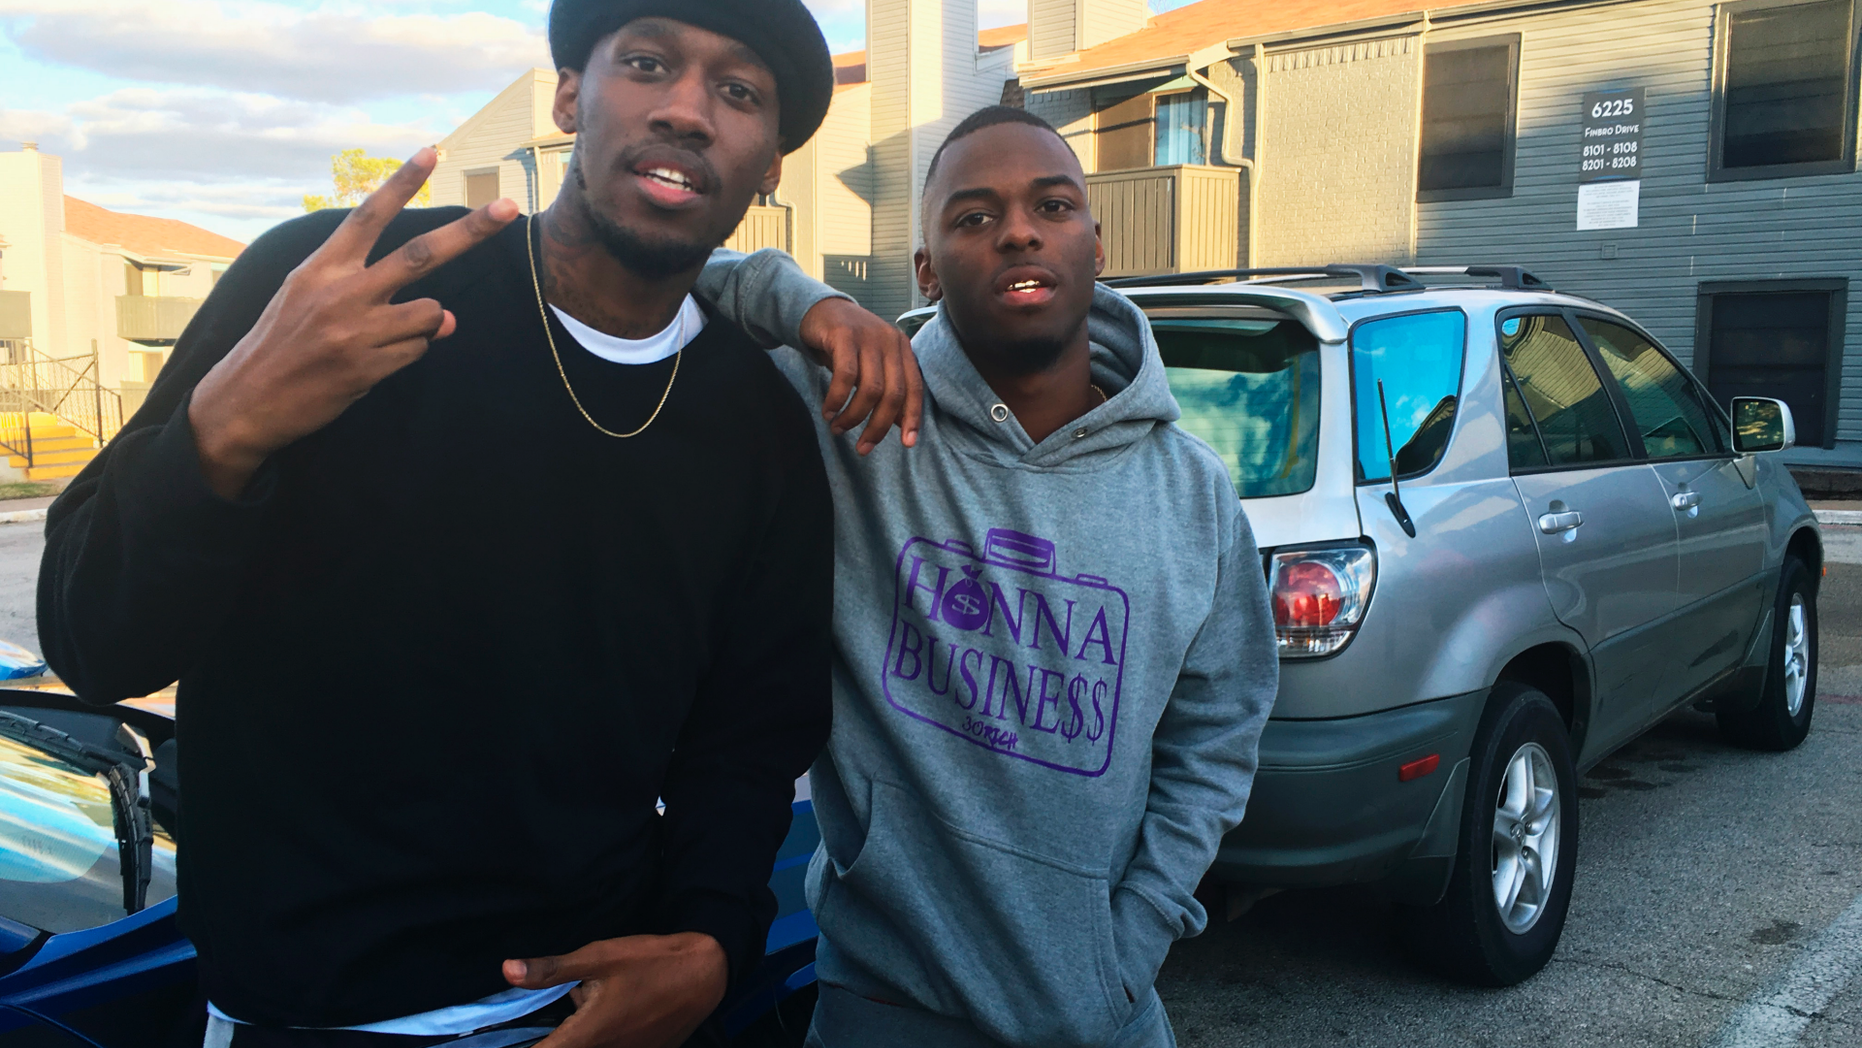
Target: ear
{"points": [[568, 92], [773, 177], [1099, 251], [928, 284]]}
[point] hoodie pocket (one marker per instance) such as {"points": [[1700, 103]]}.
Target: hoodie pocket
{"points": [[1019, 943]]}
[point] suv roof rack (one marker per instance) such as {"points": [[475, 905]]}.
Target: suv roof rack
{"points": [[1508, 278], [1370, 276]]}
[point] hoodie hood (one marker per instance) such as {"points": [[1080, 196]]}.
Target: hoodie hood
{"points": [[1125, 364]]}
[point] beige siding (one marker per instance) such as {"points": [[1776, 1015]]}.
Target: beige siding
{"points": [[926, 76], [1052, 30], [761, 227], [1338, 154], [1166, 219], [888, 42], [493, 140], [838, 187], [1102, 20]]}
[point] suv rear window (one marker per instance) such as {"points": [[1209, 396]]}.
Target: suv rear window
{"points": [[1250, 387]]}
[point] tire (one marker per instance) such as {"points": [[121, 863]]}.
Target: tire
{"points": [[1788, 697], [1467, 936]]}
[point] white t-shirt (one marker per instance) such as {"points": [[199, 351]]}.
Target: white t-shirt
{"points": [[651, 349], [516, 1003]]}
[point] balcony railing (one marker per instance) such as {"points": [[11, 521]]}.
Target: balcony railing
{"points": [[763, 226], [146, 318], [1175, 219]]}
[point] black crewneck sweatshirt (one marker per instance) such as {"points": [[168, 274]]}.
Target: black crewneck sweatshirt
{"points": [[443, 657]]}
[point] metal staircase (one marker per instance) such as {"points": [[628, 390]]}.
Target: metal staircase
{"points": [[54, 413]]}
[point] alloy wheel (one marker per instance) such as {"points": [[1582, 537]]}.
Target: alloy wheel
{"points": [[1796, 657], [1525, 837]]}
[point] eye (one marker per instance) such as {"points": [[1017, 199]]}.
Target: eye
{"points": [[1055, 206], [972, 220], [738, 91], [645, 63]]}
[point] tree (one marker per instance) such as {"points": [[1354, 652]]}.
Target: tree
{"points": [[355, 175]]}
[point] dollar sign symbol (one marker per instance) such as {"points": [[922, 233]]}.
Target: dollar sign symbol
{"points": [[1076, 690]]}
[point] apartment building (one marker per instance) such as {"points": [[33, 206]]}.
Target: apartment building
{"points": [[1690, 162], [90, 296]]}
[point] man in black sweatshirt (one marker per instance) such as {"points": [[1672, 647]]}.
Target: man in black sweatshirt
{"points": [[422, 743]]}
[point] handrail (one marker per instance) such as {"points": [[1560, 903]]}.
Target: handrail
{"points": [[32, 380]]}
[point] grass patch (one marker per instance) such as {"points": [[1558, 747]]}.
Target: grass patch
{"points": [[27, 489]]}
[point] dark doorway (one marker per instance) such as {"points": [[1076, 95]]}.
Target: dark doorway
{"points": [[1780, 339]]}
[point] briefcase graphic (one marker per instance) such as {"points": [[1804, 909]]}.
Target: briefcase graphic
{"points": [[1004, 651]]}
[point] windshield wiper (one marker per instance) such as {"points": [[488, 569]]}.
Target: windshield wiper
{"points": [[127, 774]]}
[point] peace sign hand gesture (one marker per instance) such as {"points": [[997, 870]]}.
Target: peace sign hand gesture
{"points": [[331, 333]]}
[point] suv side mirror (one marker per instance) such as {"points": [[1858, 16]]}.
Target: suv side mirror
{"points": [[1762, 424]]}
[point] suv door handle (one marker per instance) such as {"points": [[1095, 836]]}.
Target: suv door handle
{"points": [[1686, 500], [1555, 523]]}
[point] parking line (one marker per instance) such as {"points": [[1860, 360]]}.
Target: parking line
{"points": [[1776, 1016]]}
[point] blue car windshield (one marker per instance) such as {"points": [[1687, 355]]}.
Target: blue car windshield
{"points": [[58, 853], [1250, 388]]}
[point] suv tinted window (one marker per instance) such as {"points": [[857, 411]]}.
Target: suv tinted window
{"points": [[1562, 391], [1524, 450], [1251, 389], [1667, 411], [1418, 360]]}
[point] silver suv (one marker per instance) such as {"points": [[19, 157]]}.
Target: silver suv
{"points": [[1575, 540]]}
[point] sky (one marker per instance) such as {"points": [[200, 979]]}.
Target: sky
{"points": [[225, 113]]}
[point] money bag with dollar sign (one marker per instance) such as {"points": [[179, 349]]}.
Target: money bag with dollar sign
{"points": [[966, 604]]}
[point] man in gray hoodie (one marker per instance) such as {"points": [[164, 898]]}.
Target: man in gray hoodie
{"points": [[1053, 654]]}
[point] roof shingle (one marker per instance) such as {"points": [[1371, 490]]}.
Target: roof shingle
{"points": [[1194, 27], [149, 237]]}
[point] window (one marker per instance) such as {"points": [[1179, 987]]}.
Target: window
{"points": [[481, 188], [1785, 91], [1468, 94], [1776, 338], [1181, 119], [1661, 399], [1559, 387], [1417, 360], [1524, 449], [1250, 388]]}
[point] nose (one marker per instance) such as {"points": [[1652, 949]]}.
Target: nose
{"points": [[1019, 232], [684, 110]]}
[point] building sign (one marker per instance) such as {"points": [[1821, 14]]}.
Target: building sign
{"points": [[1610, 160]]}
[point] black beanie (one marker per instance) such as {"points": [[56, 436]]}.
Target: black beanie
{"points": [[782, 32]]}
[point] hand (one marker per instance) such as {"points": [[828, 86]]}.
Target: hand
{"points": [[330, 333], [876, 375], [641, 991]]}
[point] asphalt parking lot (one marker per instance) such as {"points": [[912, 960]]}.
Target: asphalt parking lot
{"points": [[1706, 878], [1718, 899]]}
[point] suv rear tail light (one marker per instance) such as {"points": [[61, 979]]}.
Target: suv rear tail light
{"points": [[1319, 597]]}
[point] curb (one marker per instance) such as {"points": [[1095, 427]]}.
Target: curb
{"points": [[1824, 516], [26, 516]]}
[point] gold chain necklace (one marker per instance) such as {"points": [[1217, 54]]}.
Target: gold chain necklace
{"points": [[530, 244]]}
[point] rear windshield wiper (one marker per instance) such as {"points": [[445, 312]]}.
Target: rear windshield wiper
{"points": [[127, 774]]}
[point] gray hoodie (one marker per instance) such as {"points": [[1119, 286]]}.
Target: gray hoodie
{"points": [[1053, 662]]}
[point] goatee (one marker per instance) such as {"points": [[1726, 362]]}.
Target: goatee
{"points": [[642, 256]]}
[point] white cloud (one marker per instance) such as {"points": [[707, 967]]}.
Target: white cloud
{"points": [[336, 52], [205, 135]]}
